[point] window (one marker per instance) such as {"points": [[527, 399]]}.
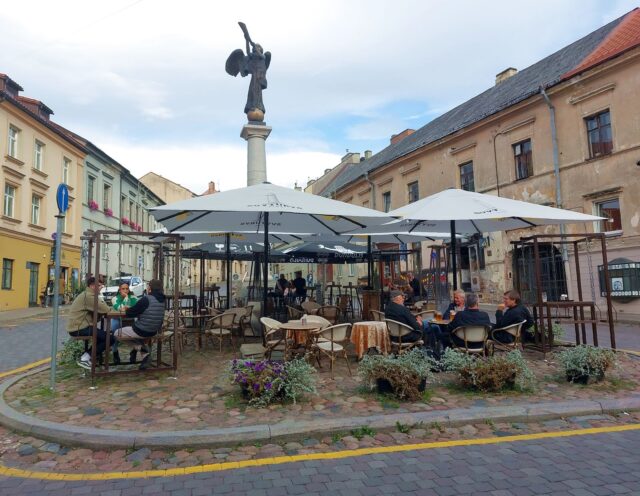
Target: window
{"points": [[106, 196], [66, 170], [7, 273], [611, 210], [523, 159], [13, 141], [352, 270], [414, 193], [386, 201], [35, 209], [130, 255], [599, 134], [131, 211], [466, 177], [38, 158], [123, 206], [91, 185], [9, 200], [365, 203]]}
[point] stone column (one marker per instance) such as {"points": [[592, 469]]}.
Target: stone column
{"points": [[256, 134]]}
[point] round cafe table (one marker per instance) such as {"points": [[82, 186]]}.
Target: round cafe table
{"points": [[370, 334], [300, 333]]}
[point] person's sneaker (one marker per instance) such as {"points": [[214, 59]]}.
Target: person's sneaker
{"points": [[86, 357], [116, 358], [85, 364], [144, 364], [132, 356]]}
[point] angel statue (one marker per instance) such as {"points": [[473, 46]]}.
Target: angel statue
{"points": [[255, 62]]}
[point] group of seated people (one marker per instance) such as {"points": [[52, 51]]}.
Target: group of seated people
{"points": [[147, 314], [467, 313], [297, 288]]}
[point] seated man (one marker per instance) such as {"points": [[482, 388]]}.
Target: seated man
{"points": [[470, 316], [80, 320], [515, 312], [395, 310], [457, 305], [149, 313]]}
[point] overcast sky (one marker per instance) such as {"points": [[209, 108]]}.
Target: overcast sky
{"points": [[144, 79]]}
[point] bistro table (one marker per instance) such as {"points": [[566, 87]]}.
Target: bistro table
{"points": [[370, 334], [302, 334]]}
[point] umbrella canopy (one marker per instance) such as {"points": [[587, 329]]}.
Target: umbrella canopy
{"points": [[238, 238], [478, 213], [245, 209]]}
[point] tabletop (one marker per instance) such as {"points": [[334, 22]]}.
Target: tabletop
{"points": [[293, 325]]}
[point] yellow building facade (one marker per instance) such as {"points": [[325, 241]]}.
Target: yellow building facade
{"points": [[35, 157]]}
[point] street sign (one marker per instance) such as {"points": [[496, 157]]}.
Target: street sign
{"points": [[62, 198]]}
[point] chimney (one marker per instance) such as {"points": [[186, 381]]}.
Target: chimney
{"points": [[397, 138], [211, 189], [367, 154], [506, 74]]}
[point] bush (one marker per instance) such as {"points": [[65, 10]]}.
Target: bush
{"points": [[584, 362], [491, 374], [71, 352], [405, 373], [265, 381]]}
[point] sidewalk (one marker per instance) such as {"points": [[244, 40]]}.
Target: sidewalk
{"points": [[21, 314]]}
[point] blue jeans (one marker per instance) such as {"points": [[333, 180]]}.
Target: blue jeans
{"points": [[115, 325]]}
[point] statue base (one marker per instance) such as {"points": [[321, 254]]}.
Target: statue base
{"points": [[256, 133]]}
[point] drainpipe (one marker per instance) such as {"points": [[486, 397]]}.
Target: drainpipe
{"points": [[556, 172], [373, 190]]}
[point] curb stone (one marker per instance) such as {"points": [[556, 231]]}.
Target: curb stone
{"points": [[89, 437]]}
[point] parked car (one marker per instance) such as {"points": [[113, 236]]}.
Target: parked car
{"points": [[136, 287]]}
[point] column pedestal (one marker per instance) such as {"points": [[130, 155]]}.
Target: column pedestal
{"points": [[256, 134]]}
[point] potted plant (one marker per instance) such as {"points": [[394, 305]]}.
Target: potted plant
{"points": [[108, 212], [93, 205], [404, 375], [263, 382], [124, 221], [491, 374], [585, 364]]}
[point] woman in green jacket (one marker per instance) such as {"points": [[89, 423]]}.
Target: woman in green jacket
{"points": [[123, 300]]}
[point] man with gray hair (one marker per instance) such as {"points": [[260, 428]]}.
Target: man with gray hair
{"points": [[470, 316]]}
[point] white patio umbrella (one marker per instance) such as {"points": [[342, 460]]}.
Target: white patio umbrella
{"points": [[266, 207], [467, 212]]}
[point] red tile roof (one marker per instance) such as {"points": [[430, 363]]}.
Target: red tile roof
{"points": [[623, 37]]}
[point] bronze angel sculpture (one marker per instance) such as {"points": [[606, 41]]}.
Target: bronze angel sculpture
{"points": [[255, 62]]}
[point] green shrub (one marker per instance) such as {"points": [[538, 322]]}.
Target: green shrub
{"points": [[71, 352], [491, 374], [404, 372], [585, 361]]}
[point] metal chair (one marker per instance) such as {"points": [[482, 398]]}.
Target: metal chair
{"points": [[426, 314], [399, 330], [515, 330], [474, 338], [329, 312], [293, 313], [220, 327], [332, 341], [376, 315], [275, 338], [310, 307]]}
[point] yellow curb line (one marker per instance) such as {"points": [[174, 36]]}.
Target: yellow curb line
{"points": [[279, 460], [26, 367], [631, 352]]}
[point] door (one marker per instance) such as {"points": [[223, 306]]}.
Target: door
{"points": [[33, 284], [552, 275]]}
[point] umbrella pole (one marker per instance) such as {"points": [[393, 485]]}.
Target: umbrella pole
{"points": [[265, 269], [369, 262], [454, 264], [228, 267]]}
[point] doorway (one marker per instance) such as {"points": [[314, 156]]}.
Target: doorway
{"points": [[552, 274], [33, 284]]}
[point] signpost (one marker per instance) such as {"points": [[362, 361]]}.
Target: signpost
{"points": [[62, 199]]}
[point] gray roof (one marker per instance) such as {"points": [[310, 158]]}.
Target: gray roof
{"points": [[547, 72]]}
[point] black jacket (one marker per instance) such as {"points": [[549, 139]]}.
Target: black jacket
{"points": [[469, 317], [400, 313], [513, 316], [150, 313]]}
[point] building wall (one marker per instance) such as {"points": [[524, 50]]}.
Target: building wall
{"points": [[584, 181], [20, 239]]}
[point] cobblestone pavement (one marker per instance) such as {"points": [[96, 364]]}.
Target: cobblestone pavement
{"points": [[584, 465], [202, 396]]}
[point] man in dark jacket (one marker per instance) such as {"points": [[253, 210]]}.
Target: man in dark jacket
{"points": [[149, 314], [515, 313], [395, 310], [470, 316]]}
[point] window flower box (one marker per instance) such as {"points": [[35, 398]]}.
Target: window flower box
{"points": [[93, 205], [125, 221], [108, 212]]}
